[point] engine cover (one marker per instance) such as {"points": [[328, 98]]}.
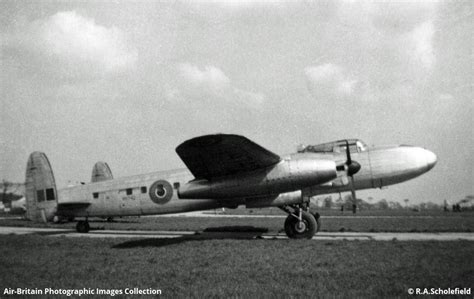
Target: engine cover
{"points": [[291, 174]]}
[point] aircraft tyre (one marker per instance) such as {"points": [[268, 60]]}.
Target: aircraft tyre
{"points": [[304, 229], [317, 217], [82, 227]]}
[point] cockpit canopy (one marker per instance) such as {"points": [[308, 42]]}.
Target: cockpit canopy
{"points": [[355, 145]]}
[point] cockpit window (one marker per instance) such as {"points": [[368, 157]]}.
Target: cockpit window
{"points": [[352, 148], [355, 146]]}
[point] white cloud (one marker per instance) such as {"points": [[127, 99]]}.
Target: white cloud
{"points": [[389, 45], [397, 17], [421, 46], [245, 3], [212, 86], [73, 46], [332, 78], [210, 76], [445, 97], [410, 26]]}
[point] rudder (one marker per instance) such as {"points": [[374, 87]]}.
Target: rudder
{"points": [[40, 189]]}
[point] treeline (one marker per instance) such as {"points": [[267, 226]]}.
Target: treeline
{"points": [[346, 203]]}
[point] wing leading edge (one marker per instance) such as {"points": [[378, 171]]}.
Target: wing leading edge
{"points": [[213, 156]]}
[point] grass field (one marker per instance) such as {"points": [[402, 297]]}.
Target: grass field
{"points": [[440, 222], [199, 267]]}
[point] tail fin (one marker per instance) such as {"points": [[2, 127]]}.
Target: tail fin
{"points": [[101, 172], [40, 189]]}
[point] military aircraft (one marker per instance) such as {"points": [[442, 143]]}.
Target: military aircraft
{"points": [[227, 171]]}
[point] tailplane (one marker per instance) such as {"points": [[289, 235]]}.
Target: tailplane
{"points": [[40, 189]]}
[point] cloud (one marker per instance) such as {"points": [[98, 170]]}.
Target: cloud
{"points": [[72, 46], [410, 26], [330, 78], [399, 17], [209, 77], [388, 45], [421, 46], [245, 3], [209, 101], [210, 85]]}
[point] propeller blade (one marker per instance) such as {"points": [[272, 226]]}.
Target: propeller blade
{"points": [[354, 198], [353, 192], [348, 153], [352, 166]]}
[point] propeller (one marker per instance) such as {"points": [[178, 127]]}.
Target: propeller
{"points": [[352, 168]]}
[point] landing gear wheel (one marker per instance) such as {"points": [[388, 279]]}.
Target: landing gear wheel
{"points": [[304, 229], [318, 221], [83, 227]]}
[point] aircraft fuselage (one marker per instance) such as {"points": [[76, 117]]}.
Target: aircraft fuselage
{"points": [[137, 195]]}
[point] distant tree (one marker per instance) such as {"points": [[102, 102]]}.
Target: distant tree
{"points": [[348, 202], [433, 206], [395, 205], [313, 204], [406, 200], [6, 184], [328, 202], [383, 204]]}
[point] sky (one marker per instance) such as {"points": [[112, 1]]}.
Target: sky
{"points": [[127, 82]]}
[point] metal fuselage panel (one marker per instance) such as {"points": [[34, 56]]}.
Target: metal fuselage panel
{"points": [[292, 173], [132, 195], [380, 167], [113, 199]]}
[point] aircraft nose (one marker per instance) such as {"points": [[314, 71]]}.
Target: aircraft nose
{"points": [[431, 159]]}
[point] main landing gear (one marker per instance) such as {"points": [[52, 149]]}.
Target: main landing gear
{"points": [[83, 226], [300, 223]]}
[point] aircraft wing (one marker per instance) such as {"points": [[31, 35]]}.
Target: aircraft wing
{"points": [[213, 156]]}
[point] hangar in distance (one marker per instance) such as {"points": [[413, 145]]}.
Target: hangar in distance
{"points": [[227, 171]]}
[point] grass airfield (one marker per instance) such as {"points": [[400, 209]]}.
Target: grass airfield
{"points": [[228, 266], [332, 221], [235, 267]]}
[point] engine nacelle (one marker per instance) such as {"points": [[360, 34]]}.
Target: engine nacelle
{"points": [[282, 199], [289, 175]]}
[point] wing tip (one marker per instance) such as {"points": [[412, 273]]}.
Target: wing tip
{"points": [[205, 140]]}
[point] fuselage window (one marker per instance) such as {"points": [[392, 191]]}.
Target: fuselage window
{"points": [[176, 185], [129, 191], [353, 148], [40, 195], [50, 194], [95, 194], [143, 189]]}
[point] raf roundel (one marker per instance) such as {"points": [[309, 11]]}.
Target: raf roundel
{"points": [[161, 192]]}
